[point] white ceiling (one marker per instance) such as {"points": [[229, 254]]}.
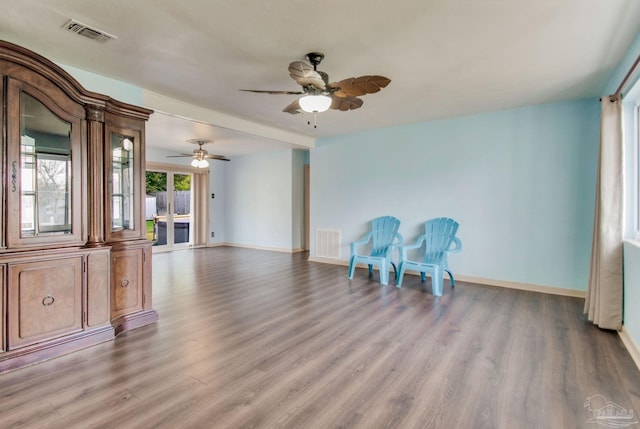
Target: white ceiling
{"points": [[445, 57], [170, 134]]}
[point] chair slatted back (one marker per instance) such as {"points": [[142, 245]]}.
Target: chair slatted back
{"points": [[439, 234], [383, 231]]}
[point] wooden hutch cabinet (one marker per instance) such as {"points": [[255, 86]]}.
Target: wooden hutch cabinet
{"points": [[75, 266]]}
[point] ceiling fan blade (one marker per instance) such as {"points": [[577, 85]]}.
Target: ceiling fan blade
{"points": [[272, 92], [356, 86], [293, 108], [182, 155], [218, 157], [325, 78], [305, 75], [345, 103]]}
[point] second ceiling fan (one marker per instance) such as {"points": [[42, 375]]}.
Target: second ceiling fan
{"points": [[200, 155], [320, 95]]}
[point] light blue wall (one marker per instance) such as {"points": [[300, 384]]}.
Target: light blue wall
{"points": [[115, 89], [521, 183], [259, 202], [217, 171], [299, 159]]}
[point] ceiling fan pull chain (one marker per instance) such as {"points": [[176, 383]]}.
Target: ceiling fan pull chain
{"points": [[315, 120]]}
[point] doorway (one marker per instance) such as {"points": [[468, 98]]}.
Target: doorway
{"points": [[169, 202]]}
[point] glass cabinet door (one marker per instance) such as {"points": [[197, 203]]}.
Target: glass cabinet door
{"points": [[45, 164], [123, 179], [44, 156], [123, 193]]}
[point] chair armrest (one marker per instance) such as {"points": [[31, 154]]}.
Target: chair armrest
{"points": [[417, 245], [354, 244], [397, 243], [457, 246]]}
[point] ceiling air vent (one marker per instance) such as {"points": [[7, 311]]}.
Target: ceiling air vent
{"points": [[84, 30]]}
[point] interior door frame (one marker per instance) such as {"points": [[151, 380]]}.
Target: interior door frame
{"points": [[307, 193]]}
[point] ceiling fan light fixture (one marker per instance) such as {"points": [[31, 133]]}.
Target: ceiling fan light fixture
{"points": [[315, 103], [199, 163]]}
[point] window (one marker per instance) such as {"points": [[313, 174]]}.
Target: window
{"points": [[631, 150], [636, 169]]}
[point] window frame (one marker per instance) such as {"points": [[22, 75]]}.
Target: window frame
{"points": [[636, 170]]}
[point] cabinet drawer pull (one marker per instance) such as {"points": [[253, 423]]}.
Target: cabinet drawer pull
{"points": [[124, 283], [48, 300]]}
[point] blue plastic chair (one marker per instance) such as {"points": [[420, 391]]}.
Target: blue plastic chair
{"points": [[384, 238], [438, 239]]}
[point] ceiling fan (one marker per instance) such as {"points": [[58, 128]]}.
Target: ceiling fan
{"points": [[200, 155], [319, 95]]}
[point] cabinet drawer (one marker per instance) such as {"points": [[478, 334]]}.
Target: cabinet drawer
{"points": [[44, 300]]}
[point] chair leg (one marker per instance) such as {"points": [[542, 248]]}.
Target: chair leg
{"points": [[423, 276], [352, 267], [453, 282], [400, 275], [384, 274], [370, 270], [395, 271], [436, 282]]}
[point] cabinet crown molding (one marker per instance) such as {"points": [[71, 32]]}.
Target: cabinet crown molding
{"points": [[17, 57]]}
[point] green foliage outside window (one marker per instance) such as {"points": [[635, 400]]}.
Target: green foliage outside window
{"points": [[182, 182], [157, 182]]}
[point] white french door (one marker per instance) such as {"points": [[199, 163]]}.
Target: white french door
{"points": [[174, 216]]}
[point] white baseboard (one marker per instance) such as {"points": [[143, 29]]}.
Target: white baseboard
{"points": [[246, 246], [553, 290], [483, 281], [329, 261], [631, 346]]}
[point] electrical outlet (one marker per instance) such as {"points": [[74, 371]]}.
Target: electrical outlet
{"points": [[213, 196], [213, 234]]}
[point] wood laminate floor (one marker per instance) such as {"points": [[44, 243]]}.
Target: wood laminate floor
{"points": [[257, 339]]}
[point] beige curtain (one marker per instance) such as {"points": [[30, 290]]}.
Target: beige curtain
{"points": [[603, 304], [200, 189]]}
